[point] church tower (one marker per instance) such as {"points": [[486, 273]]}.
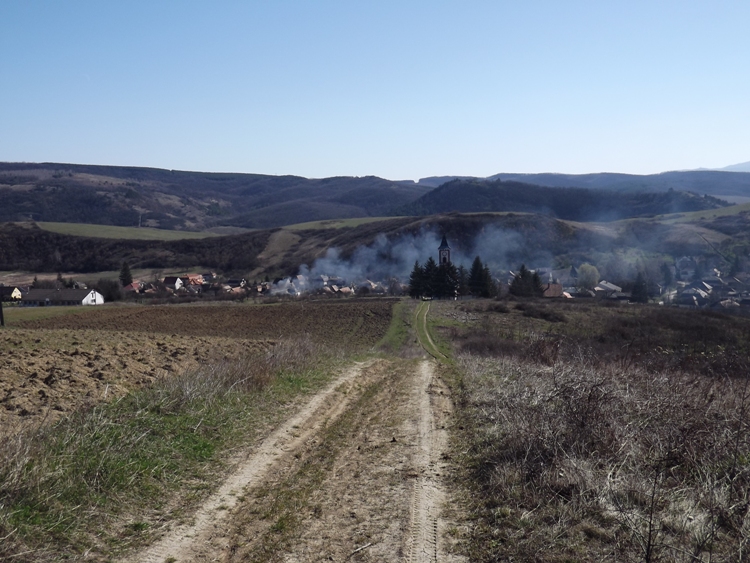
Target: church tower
{"points": [[444, 252]]}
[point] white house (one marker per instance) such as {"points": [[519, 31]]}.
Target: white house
{"points": [[49, 297]]}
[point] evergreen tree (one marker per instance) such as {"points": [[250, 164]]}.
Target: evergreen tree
{"points": [[488, 284], [416, 281], [640, 290], [526, 284], [431, 278], [126, 277], [476, 277], [447, 285], [463, 281]]}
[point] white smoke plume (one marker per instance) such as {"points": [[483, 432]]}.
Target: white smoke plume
{"points": [[386, 259]]}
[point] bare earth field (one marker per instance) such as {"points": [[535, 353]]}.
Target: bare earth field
{"points": [[47, 373], [56, 364]]}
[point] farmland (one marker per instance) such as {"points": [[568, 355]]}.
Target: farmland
{"points": [[62, 358]]}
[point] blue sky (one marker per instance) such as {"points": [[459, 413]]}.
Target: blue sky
{"points": [[395, 89]]}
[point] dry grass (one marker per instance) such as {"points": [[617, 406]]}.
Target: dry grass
{"points": [[104, 480], [581, 460]]}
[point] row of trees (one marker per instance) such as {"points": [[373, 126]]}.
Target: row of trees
{"points": [[448, 281]]}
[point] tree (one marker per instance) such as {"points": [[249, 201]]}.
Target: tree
{"points": [[488, 284], [588, 276], [640, 290], [431, 278], [447, 281], [526, 284], [416, 281], [126, 277], [476, 277], [463, 281]]}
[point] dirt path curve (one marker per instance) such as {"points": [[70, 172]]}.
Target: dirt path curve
{"points": [[186, 542]]}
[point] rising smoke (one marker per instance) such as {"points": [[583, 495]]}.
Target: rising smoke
{"points": [[388, 259]]}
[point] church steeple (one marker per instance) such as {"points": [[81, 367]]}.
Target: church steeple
{"points": [[444, 252]]}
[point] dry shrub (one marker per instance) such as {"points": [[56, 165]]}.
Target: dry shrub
{"points": [[584, 461]]}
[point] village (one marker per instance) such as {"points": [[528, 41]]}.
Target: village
{"points": [[691, 281]]}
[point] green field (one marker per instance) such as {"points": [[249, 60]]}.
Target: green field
{"points": [[129, 233], [337, 223], [15, 314]]}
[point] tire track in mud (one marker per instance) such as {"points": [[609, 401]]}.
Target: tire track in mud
{"points": [[192, 541]]}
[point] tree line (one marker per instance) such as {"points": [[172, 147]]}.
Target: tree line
{"points": [[446, 281]]}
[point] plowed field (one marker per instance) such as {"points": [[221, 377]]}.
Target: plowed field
{"points": [[324, 321], [55, 365]]}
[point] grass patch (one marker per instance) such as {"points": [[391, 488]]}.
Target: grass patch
{"points": [[16, 315], [124, 233], [398, 331], [337, 223], [101, 480]]}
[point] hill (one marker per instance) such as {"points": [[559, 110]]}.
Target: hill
{"points": [[712, 182], [170, 199], [575, 204], [382, 248]]}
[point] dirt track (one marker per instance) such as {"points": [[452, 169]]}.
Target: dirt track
{"points": [[358, 474]]}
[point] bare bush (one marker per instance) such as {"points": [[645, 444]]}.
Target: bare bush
{"points": [[584, 460]]}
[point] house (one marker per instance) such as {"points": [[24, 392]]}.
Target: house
{"points": [[10, 293], [134, 287], [235, 283], [553, 290], [173, 282], [606, 289], [192, 279], [50, 297]]}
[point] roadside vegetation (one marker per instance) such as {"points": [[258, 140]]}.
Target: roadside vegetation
{"points": [[105, 479], [110, 477], [601, 433]]}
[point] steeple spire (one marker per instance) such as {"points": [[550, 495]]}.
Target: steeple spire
{"points": [[444, 252]]}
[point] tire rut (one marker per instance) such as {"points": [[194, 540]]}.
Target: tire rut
{"points": [[193, 541], [425, 526]]}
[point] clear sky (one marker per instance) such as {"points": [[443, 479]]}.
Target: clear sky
{"points": [[398, 89]]}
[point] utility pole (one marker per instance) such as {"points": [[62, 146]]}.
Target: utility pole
{"points": [[2, 319]]}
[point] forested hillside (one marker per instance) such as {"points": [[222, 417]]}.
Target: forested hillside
{"points": [[574, 204], [170, 199]]}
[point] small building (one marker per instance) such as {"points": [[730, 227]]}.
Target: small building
{"points": [[173, 282], [57, 297], [10, 294], [192, 279]]}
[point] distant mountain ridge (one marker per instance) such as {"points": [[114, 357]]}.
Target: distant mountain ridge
{"points": [[183, 200], [742, 167], [575, 204], [711, 182]]}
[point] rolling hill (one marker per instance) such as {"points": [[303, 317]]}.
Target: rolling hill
{"points": [[170, 199], [575, 204], [711, 182]]}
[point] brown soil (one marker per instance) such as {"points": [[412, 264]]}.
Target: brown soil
{"points": [[48, 373], [55, 365], [326, 321]]}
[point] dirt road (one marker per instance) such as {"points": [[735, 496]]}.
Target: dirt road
{"points": [[358, 474]]}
